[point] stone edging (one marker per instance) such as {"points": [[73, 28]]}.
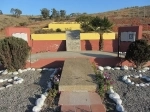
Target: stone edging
{"points": [[128, 81], [116, 98], [40, 101]]}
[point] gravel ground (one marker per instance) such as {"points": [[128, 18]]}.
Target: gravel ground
{"points": [[135, 99], [22, 97]]}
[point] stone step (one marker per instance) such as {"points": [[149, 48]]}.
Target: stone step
{"points": [[83, 108], [79, 98]]}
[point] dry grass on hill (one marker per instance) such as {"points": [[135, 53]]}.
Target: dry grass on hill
{"points": [[122, 17]]}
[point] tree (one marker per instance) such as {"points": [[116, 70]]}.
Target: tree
{"points": [[1, 12], [62, 13], [16, 12], [54, 13], [45, 12], [84, 21], [101, 25], [13, 53], [138, 53]]}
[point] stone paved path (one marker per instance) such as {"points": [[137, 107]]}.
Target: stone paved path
{"points": [[76, 84]]}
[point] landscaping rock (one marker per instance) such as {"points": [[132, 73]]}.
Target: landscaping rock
{"points": [[24, 70], [45, 69], [107, 68], [117, 68], [137, 85], [110, 91], [114, 96], [136, 76], [120, 108], [125, 67], [39, 69], [5, 80], [15, 73], [1, 88], [5, 72], [15, 78], [142, 84], [1, 80], [146, 68], [33, 69], [19, 71], [36, 109], [40, 102], [124, 78], [140, 75], [28, 69], [9, 80], [10, 73], [101, 68], [118, 101], [9, 85]]}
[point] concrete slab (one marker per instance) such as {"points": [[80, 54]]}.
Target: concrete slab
{"points": [[79, 98], [83, 108], [98, 108], [77, 75], [68, 108]]}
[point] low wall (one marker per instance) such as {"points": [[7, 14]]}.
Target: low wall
{"points": [[60, 45], [58, 62]]}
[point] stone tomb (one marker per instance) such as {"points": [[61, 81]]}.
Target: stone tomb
{"points": [[77, 76], [73, 40]]}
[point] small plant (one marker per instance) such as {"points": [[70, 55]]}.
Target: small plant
{"points": [[58, 30], [51, 95], [103, 80]]}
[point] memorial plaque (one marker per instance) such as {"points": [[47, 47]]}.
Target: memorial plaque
{"points": [[73, 40]]}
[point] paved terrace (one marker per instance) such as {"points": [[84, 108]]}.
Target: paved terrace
{"points": [[68, 54]]}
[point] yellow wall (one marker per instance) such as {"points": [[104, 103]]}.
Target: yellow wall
{"points": [[63, 27], [62, 36]]}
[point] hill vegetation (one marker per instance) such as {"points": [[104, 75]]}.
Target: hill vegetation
{"points": [[121, 17]]}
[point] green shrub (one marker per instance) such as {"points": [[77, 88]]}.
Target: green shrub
{"points": [[103, 80], [138, 53], [44, 31], [23, 24], [13, 53], [58, 30]]}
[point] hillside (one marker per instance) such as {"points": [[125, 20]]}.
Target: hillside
{"points": [[135, 11], [122, 17]]}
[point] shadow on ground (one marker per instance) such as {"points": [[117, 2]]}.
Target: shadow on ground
{"points": [[45, 76]]}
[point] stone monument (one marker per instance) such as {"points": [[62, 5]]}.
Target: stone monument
{"points": [[73, 40]]}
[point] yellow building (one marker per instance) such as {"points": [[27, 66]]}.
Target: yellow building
{"points": [[69, 26], [64, 26]]}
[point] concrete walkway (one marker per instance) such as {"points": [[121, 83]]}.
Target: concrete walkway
{"points": [[77, 86], [67, 54]]}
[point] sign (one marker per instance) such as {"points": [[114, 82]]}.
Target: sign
{"points": [[21, 35], [128, 36]]}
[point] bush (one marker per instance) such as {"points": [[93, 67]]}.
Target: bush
{"points": [[44, 31], [23, 24], [13, 53], [58, 30], [103, 80], [138, 53]]}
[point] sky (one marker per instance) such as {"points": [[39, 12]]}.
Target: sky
{"points": [[33, 7]]}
